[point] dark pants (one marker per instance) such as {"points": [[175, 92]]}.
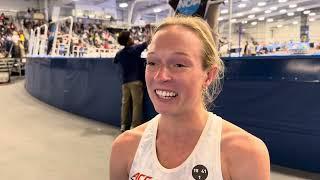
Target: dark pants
{"points": [[131, 91], [50, 44]]}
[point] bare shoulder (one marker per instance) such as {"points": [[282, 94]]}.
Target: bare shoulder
{"points": [[129, 137], [244, 155], [129, 140], [123, 151]]}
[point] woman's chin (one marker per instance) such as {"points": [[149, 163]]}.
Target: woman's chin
{"points": [[170, 111], [164, 110]]}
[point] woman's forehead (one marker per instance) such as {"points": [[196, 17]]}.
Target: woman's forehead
{"points": [[174, 29], [175, 41], [176, 36]]}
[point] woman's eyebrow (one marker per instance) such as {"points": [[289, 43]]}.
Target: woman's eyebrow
{"points": [[176, 53], [181, 53]]}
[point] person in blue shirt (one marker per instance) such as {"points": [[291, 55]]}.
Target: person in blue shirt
{"points": [[132, 79]]}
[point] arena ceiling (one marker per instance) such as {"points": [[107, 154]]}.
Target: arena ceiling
{"points": [[244, 11]]}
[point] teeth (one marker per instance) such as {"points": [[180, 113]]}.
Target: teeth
{"points": [[166, 94]]}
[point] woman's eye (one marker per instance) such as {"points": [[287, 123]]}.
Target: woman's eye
{"points": [[180, 65], [150, 63]]}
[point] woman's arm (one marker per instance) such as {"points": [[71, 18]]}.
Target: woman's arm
{"points": [[119, 159], [248, 158]]}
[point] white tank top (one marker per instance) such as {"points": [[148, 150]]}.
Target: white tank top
{"points": [[202, 164]]}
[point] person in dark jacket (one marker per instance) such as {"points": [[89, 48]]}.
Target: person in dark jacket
{"points": [[132, 79]]}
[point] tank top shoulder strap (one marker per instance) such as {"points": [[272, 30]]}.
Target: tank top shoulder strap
{"points": [[215, 135], [145, 145], [216, 126]]}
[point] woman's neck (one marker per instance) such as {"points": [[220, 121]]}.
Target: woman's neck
{"points": [[182, 124]]}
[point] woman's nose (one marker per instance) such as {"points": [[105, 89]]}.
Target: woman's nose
{"points": [[163, 74]]}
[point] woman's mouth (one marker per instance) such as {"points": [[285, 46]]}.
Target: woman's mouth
{"points": [[165, 94]]}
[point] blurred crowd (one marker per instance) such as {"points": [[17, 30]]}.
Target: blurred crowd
{"points": [[15, 32], [94, 35], [12, 39], [139, 34]]}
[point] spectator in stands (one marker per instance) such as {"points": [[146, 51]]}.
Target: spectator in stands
{"points": [[2, 17], [8, 44], [132, 82], [12, 26], [105, 37], [21, 36], [186, 141], [28, 14], [81, 48], [245, 51], [16, 45], [21, 43], [52, 29]]}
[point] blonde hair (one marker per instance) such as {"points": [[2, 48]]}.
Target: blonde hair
{"points": [[210, 54]]}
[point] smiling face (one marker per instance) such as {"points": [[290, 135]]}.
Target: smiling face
{"points": [[174, 74]]}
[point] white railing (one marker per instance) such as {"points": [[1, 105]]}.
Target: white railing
{"points": [[61, 43], [31, 43], [63, 46], [38, 41]]}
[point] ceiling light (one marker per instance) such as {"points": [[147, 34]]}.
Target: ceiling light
{"points": [[273, 8], [312, 14], [279, 25], [295, 22], [282, 1], [290, 14], [244, 22], [255, 9], [220, 18], [311, 19], [267, 11], [261, 18], [270, 20], [242, 5], [306, 12], [283, 11], [292, 5], [233, 20], [239, 14], [251, 16], [254, 23], [123, 5], [224, 11], [262, 3], [157, 10], [300, 9]]}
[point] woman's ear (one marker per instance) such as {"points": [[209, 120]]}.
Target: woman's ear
{"points": [[211, 75]]}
